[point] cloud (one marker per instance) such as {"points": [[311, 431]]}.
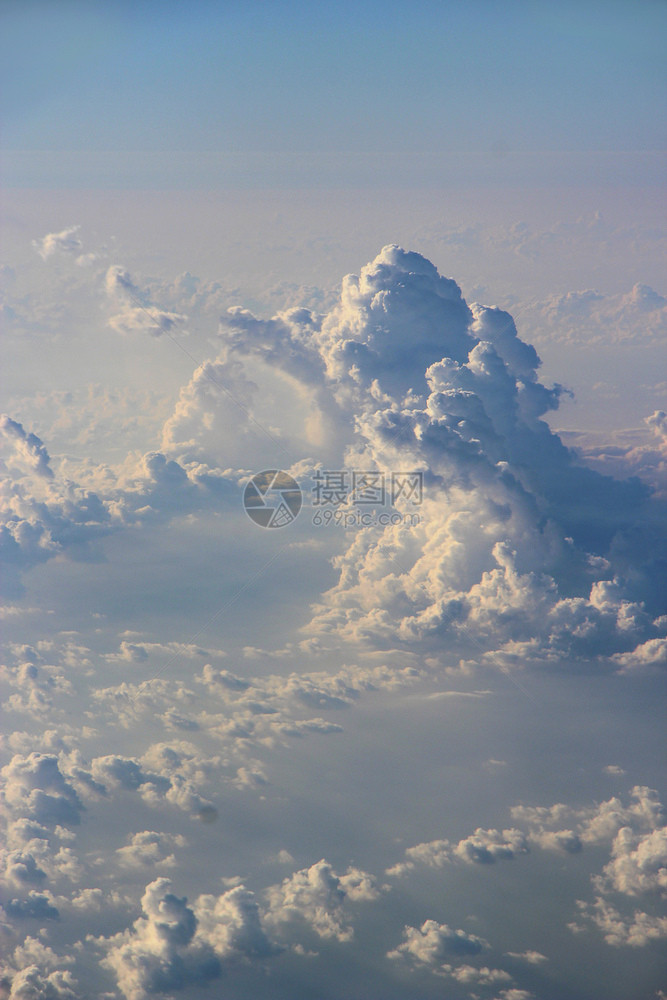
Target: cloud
{"points": [[532, 957], [515, 994], [164, 774], [521, 555], [173, 945], [36, 906], [433, 943], [597, 824], [454, 392], [32, 983], [483, 847], [318, 897], [636, 833], [35, 787], [638, 451], [66, 241], [487, 846], [149, 848], [137, 313], [231, 924], [28, 447], [619, 318], [639, 862], [636, 931], [470, 975], [157, 955]]}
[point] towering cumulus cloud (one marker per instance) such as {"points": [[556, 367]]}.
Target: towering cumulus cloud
{"points": [[521, 553]]}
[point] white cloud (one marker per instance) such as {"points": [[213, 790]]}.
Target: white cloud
{"points": [[433, 943], [150, 848], [532, 957], [636, 931], [481, 847], [470, 975], [639, 862], [624, 317], [173, 945], [521, 557], [318, 896], [29, 449], [31, 983], [595, 824], [35, 787], [66, 241]]}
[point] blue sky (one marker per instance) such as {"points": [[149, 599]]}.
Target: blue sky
{"points": [[374, 77]]}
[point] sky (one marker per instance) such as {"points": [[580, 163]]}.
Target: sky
{"points": [[333, 501]]}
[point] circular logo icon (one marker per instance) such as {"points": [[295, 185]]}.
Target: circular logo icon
{"points": [[272, 499]]}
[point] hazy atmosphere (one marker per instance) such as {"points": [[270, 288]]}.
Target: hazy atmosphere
{"points": [[334, 455]]}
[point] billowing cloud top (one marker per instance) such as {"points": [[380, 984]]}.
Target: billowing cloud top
{"points": [[521, 551]]}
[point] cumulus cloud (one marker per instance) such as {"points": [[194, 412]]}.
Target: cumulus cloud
{"points": [[44, 514], [639, 862], [35, 787], [518, 545], [595, 824], [636, 833], [635, 931], [173, 945], [532, 957], [623, 317], [433, 943], [28, 447], [150, 848], [521, 555], [137, 313], [319, 897], [639, 451], [483, 847], [33, 983], [165, 773], [473, 976], [35, 906], [511, 544], [66, 241]]}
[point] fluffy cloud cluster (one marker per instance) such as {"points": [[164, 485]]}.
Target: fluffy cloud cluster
{"points": [[30, 975], [45, 514], [641, 452], [521, 553], [483, 847], [640, 313], [137, 314], [173, 945], [635, 833], [318, 896], [433, 943], [66, 241]]}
